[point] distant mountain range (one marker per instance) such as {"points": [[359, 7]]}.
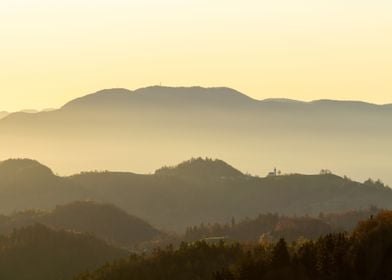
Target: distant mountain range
{"points": [[195, 191], [144, 129]]}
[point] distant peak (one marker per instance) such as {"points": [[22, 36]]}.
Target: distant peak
{"points": [[161, 95], [166, 96], [194, 90]]}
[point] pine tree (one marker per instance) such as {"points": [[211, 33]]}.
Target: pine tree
{"points": [[280, 255]]}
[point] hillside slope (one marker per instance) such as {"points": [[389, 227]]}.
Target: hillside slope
{"points": [[195, 191], [37, 252], [144, 129], [26, 183], [105, 221]]}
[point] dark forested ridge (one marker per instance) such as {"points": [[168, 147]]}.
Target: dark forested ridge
{"points": [[196, 191], [364, 253], [271, 227], [119, 228], [73, 237], [45, 253], [37, 252], [105, 221]]}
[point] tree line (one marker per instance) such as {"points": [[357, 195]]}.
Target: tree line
{"points": [[274, 226], [365, 253]]}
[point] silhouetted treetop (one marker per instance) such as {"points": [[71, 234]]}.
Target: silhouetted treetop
{"points": [[338, 256]]}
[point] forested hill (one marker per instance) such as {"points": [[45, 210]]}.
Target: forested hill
{"points": [[363, 254], [271, 227], [202, 190], [37, 252], [26, 183], [201, 168], [199, 190], [105, 221]]}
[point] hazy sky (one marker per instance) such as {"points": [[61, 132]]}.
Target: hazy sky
{"points": [[52, 51]]}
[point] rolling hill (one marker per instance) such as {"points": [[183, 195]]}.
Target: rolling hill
{"points": [[105, 221], [195, 191], [144, 129], [27, 183], [200, 168]]}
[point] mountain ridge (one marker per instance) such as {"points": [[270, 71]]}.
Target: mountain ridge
{"points": [[148, 96], [157, 90], [194, 194], [141, 130]]}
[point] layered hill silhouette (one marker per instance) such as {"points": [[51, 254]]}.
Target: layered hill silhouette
{"points": [[27, 183], [362, 253], [142, 130], [195, 191], [105, 221]]}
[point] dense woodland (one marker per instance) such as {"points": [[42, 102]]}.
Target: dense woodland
{"points": [[105, 221], [119, 228], [62, 243], [38, 252], [54, 228], [272, 227], [363, 254]]}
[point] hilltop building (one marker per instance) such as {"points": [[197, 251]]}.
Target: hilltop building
{"points": [[273, 173]]}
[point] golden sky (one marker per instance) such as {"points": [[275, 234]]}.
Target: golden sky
{"points": [[52, 51]]}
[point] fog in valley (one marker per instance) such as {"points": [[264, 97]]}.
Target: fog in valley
{"points": [[142, 130]]}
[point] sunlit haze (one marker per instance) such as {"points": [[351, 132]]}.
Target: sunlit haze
{"points": [[195, 139], [54, 51]]}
